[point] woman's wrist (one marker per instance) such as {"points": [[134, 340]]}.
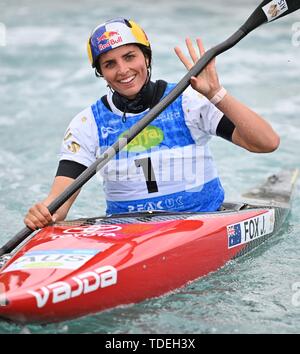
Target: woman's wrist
{"points": [[218, 95], [212, 92]]}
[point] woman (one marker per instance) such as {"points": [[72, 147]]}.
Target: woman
{"points": [[169, 165]]}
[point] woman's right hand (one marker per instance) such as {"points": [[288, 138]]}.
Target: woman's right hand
{"points": [[38, 216]]}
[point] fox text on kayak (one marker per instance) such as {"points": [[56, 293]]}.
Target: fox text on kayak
{"points": [[81, 284], [251, 229]]}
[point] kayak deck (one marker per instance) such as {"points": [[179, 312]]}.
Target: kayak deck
{"points": [[78, 267]]}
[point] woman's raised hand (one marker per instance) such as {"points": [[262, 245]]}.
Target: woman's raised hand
{"points": [[207, 82]]}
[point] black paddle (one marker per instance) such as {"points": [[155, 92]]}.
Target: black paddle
{"points": [[267, 11]]}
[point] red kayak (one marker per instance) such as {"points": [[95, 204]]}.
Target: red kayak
{"points": [[85, 266]]}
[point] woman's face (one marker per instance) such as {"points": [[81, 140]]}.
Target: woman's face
{"points": [[125, 69]]}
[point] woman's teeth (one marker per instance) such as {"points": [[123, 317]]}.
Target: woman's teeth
{"points": [[126, 81]]}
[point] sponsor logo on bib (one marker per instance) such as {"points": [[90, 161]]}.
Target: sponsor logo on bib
{"points": [[150, 137]]}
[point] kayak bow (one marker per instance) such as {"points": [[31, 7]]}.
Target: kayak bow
{"points": [[84, 266]]}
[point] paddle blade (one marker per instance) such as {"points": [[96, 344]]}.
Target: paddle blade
{"points": [[270, 10]]}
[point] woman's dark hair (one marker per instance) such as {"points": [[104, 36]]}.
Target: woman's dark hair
{"points": [[145, 50]]}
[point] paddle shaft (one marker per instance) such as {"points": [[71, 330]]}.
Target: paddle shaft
{"points": [[255, 20]]}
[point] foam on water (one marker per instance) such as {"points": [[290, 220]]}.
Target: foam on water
{"points": [[45, 80]]}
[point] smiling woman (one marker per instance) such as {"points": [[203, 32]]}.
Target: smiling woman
{"points": [[125, 70], [120, 52]]}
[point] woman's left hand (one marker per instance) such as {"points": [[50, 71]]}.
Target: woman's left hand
{"points": [[207, 82]]}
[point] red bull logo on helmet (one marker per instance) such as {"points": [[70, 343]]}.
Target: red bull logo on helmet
{"points": [[107, 35], [109, 39]]}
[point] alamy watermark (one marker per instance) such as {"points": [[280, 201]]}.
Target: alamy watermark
{"points": [[2, 35], [296, 34], [168, 165]]}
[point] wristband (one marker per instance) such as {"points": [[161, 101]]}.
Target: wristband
{"points": [[218, 96]]}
